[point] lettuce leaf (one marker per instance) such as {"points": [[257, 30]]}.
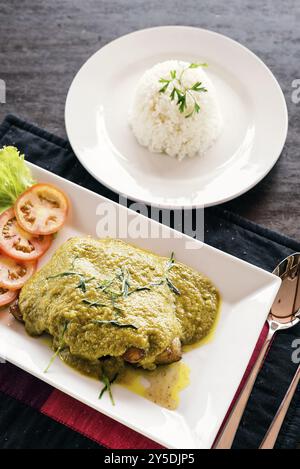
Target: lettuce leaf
{"points": [[15, 176]]}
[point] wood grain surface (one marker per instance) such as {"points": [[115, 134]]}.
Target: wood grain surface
{"points": [[43, 44]]}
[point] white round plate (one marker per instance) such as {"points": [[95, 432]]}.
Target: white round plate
{"points": [[252, 104]]}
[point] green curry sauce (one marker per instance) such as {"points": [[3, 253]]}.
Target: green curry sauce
{"points": [[98, 298]]}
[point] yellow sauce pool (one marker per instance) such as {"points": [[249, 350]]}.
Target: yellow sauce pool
{"points": [[161, 386], [164, 385]]}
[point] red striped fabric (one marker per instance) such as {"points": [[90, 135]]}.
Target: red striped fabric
{"points": [[23, 386], [93, 424]]}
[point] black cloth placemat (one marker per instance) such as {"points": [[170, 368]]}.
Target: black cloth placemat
{"points": [[223, 230]]}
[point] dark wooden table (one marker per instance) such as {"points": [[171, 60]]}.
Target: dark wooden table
{"points": [[43, 44]]}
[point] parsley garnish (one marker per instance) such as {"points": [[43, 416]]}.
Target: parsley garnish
{"points": [[180, 92]]}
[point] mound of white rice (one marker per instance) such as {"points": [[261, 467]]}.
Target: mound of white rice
{"points": [[157, 122]]}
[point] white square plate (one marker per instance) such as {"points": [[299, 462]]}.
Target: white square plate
{"points": [[216, 368]]}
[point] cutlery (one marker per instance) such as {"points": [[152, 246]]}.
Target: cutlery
{"points": [[274, 429], [285, 313]]}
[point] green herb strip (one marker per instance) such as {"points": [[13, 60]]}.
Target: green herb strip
{"points": [[95, 303], [82, 283], [106, 284], [63, 274], [114, 323], [82, 280], [59, 348], [107, 387], [124, 277], [172, 286], [171, 262], [138, 289], [158, 283]]}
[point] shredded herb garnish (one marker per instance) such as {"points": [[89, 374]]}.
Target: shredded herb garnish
{"points": [[124, 277], [138, 289], [82, 283], [74, 260], [170, 265], [106, 284], [63, 274], [165, 279], [182, 93], [59, 348], [114, 323], [82, 280], [113, 297], [171, 262], [107, 387], [158, 283], [172, 286], [94, 303]]}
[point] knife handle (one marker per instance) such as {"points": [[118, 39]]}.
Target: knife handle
{"points": [[226, 437], [274, 429]]}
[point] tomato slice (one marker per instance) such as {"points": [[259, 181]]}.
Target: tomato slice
{"points": [[18, 244], [13, 273], [42, 209], [7, 296]]}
